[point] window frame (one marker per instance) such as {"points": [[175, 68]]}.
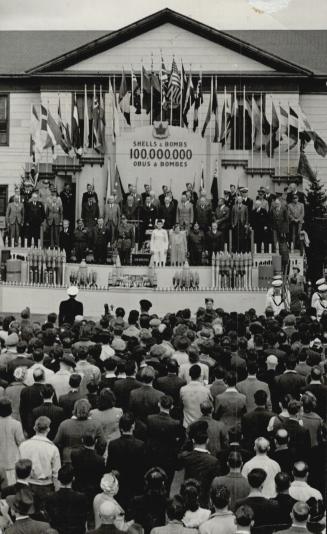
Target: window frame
{"points": [[8, 119]]}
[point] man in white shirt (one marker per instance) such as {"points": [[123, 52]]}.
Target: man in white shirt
{"points": [[180, 354], [60, 380], [300, 489], [192, 395], [38, 357], [262, 461]]}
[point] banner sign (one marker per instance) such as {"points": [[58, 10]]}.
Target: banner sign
{"points": [[160, 155]]}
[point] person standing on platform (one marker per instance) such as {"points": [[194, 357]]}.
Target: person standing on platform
{"points": [[66, 238], [146, 193], [67, 200], [148, 215], [167, 213], [196, 244], [222, 218], [54, 215], [248, 202], [214, 241], [202, 213], [111, 218], [159, 244], [89, 193], [90, 213], [15, 219], [100, 239], [68, 309], [240, 221], [185, 213], [260, 224], [279, 221], [296, 218], [275, 299], [80, 241], [178, 246], [193, 194], [35, 216], [125, 240]]}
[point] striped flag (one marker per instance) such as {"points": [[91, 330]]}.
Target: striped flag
{"points": [[54, 132], [119, 186], [174, 87], [146, 100], [164, 78], [188, 99], [293, 127], [136, 94], [273, 142], [113, 112], [76, 133], [97, 124], [65, 135], [198, 100], [124, 99], [36, 141], [86, 132], [226, 122]]}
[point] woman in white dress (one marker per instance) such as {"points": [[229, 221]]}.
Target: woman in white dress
{"points": [[178, 246]]}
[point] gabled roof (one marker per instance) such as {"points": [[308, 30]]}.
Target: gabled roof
{"points": [[151, 22]]}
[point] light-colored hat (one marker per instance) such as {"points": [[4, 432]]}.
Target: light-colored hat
{"points": [[322, 288], [118, 345], [109, 484], [272, 359], [277, 283], [320, 282], [72, 291], [12, 340], [277, 277]]}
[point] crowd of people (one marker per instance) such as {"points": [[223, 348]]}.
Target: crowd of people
{"points": [[211, 424], [192, 228]]}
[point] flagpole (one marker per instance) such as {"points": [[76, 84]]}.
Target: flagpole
{"points": [[288, 140], [92, 115], [243, 117], [142, 86], [279, 139], [171, 103], [225, 118], [132, 91], [181, 100], [235, 104], [261, 139], [270, 133], [161, 111], [151, 91], [210, 121], [252, 132]]}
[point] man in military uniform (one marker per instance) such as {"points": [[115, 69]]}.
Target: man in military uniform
{"points": [[80, 240], [125, 240], [53, 212], [35, 216], [90, 213], [68, 309], [67, 199], [99, 243], [15, 219]]}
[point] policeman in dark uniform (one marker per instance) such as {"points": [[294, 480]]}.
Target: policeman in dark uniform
{"points": [[80, 240], [100, 239], [68, 309]]}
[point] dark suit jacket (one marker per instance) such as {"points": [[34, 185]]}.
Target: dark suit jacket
{"points": [[88, 470], [106, 529], [31, 397], [254, 425], [293, 530], [320, 392], [230, 406], [68, 309], [164, 436], [285, 459], [265, 513], [86, 196], [279, 220], [12, 490], [122, 389], [28, 526], [127, 455], [203, 467], [55, 414], [66, 402], [143, 401], [34, 215], [170, 385], [289, 382], [66, 241], [67, 510], [299, 439], [168, 213]]}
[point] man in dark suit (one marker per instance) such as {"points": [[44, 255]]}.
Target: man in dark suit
{"points": [[31, 397], [89, 193], [222, 217], [146, 193], [279, 221], [290, 382], [99, 241], [68, 203], [143, 401], [88, 467], [319, 390], [214, 240], [68, 309], [122, 388], [281, 452], [230, 405], [66, 402], [255, 422], [167, 212], [23, 507], [127, 455], [299, 437], [172, 383], [248, 202], [34, 217], [283, 499], [265, 511], [240, 221], [300, 515], [164, 436], [90, 213], [199, 463], [66, 238], [23, 470], [66, 508], [292, 190], [50, 410]]}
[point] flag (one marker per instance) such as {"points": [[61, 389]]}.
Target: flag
{"points": [[189, 98], [164, 77], [155, 94], [215, 112], [113, 112], [54, 133], [226, 125], [174, 86], [198, 100], [45, 140], [283, 121], [36, 144], [86, 132], [293, 129], [202, 180], [146, 100], [97, 125], [136, 92], [76, 134], [320, 145], [208, 116], [65, 135], [304, 169], [273, 142], [108, 192], [119, 186], [124, 99], [214, 189]]}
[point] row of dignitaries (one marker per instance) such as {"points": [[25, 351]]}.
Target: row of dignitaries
{"points": [[213, 423]]}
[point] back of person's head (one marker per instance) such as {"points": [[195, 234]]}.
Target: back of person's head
{"points": [[110, 364], [126, 422], [316, 373], [195, 372], [193, 354], [130, 367], [155, 481], [261, 445], [81, 352], [23, 468], [256, 478], [251, 367], [206, 407], [107, 399], [198, 432], [244, 516], [66, 474], [172, 366], [286, 400], [294, 407], [219, 372], [231, 379], [300, 470], [92, 387], [21, 347], [282, 482], [190, 491], [260, 397], [220, 496], [42, 424], [38, 374], [166, 402], [148, 374], [300, 512], [291, 362], [5, 407], [75, 380], [182, 343], [82, 409], [235, 460], [52, 318], [281, 436], [175, 508], [88, 438], [48, 391], [308, 403], [120, 312]]}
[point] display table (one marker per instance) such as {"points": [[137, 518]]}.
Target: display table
{"points": [[42, 300]]}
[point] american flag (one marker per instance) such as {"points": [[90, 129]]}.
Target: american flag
{"points": [[164, 83], [174, 86]]}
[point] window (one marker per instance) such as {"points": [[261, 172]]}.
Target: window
{"points": [[3, 200], [80, 108], [4, 120]]}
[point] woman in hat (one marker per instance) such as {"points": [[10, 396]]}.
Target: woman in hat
{"points": [[178, 246], [11, 436], [110, 486]]}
